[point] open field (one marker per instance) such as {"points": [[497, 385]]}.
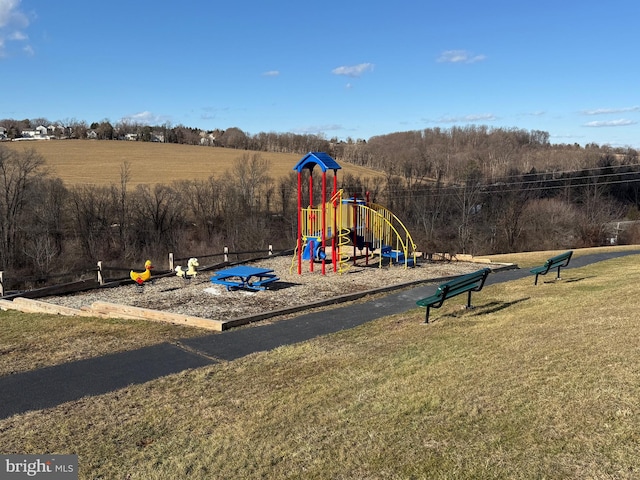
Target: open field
{"points": [[99, 162], [533, 383]]}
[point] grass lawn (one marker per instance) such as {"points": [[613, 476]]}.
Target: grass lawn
{"points": [[533, 259], [535, 382], [30, 341]]}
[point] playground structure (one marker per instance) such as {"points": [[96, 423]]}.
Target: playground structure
{"points": [[342, 230]]}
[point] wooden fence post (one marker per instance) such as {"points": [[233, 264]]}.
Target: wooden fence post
{"points": [[226, 254], [171, 261], [100, 278], [1, 284]]}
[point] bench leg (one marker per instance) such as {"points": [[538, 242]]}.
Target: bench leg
{"points": [[558, 276], [426, 320], [469, 300], [536, 282]]}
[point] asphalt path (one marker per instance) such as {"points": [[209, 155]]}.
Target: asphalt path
{"points": [[52, 386]]}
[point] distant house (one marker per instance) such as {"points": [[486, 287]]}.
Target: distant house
{"points": [[3, 133], [208, 139], [57, 131], [131, 136], [92, 134], [39, 133]]}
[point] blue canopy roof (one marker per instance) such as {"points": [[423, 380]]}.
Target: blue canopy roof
{"points": [[311, 159]]}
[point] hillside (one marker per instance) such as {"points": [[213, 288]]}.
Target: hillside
{"points": [[99, 162]]}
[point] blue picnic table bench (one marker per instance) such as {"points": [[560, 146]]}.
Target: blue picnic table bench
{"points": [[243, 276]]}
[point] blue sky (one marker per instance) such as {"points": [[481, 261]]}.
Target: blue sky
{"points": [[339, 68]]}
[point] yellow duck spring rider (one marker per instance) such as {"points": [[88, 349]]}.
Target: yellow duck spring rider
{"points": [[142, 277]]}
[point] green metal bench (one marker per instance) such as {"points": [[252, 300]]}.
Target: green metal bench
{"points": [[471, 282], [559, 261]]}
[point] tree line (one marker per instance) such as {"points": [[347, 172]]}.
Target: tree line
{"points": [[232, 137], [420, 153], [469, 190]]}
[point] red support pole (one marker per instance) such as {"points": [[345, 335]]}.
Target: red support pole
{"points": [[355, 228], [334, 250], [324, 218], [299, 247], [366, 229], [312, 219]]}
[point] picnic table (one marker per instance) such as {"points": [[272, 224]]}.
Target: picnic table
{"points": [[243, 276]]}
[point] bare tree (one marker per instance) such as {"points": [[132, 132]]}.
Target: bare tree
{"points": [[159, 216], [18, 172], [468, 198], [233, 138], [44, 224], [121, 203], [549, 223], [596, 211], [42, 251], [250, 176], [427, 206], [203, 198], [92, 213], [287, 188]]}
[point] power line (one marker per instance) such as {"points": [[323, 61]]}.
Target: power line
{"points": [[597, 180]]}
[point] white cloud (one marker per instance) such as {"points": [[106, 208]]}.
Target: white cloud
{"points": [[482, 117], [145, 118], [12, 22], [317, 129], [604, 111], [8, 12], [621, 122], [460, 56], [271, 73], [17, 36], [353, 70]]}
